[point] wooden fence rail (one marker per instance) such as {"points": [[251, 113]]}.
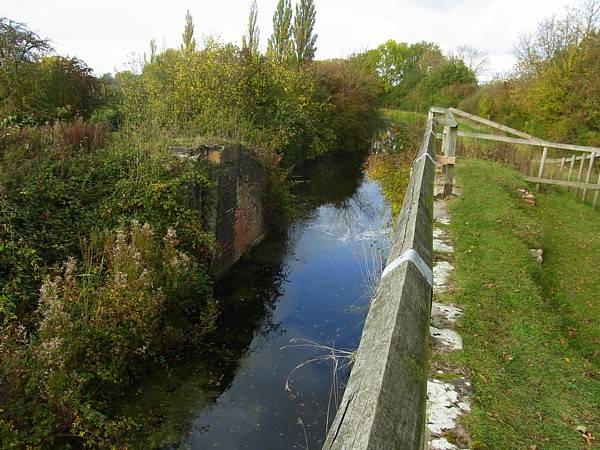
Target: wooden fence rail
{"points": [[547, 172], [384, 402]]}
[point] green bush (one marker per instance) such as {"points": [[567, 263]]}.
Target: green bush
{"points": [[136, 297], [106, 116], [58, 183], [353, 93], [221, 92]]}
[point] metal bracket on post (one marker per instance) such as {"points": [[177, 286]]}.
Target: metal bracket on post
{"points": [[423, 156], [412, 256]]}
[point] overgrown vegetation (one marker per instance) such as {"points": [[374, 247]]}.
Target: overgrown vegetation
{"points": [[104, 254], [91, 293], [553, 92], [529, 330]]}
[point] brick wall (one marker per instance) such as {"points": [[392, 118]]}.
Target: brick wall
{"points": [[242, 193], [238, 217]]}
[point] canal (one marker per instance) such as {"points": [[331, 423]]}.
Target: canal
{"points": [[293, 311]]}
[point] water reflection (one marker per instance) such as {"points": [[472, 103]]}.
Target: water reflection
{"points": [[311, 283], [271, 402]]}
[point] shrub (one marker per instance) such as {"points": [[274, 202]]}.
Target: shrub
{"points": [[58, 183], [78, 135], [106, 116], [136, 297], [352, 91]]}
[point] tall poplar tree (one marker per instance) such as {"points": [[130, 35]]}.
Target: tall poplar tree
{"points": [[251, 39], [302, 31], [280, 45], [152, 49], [189, 42]]}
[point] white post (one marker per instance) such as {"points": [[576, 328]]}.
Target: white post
{"points": [[542, 163], [588, 177]]}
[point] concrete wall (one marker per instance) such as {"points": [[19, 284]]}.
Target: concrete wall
{"points": [[384, 403]]}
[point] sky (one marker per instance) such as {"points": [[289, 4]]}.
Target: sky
{"points": [[108, 34]]}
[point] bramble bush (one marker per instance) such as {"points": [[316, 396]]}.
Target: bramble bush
{"points": [[57, 183]]}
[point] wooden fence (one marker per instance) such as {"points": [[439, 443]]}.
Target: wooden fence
{"points": [[383, 406], [578, 171], [384, 403]]}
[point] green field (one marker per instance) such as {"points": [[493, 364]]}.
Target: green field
{"points": [[531, 332]]}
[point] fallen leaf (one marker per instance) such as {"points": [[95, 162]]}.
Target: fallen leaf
{"points": [[585, 434]]}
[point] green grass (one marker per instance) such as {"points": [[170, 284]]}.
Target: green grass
{"points": [[531, 333], [406, 117]]}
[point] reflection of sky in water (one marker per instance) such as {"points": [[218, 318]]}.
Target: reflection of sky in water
{"points": [[327, 262]]}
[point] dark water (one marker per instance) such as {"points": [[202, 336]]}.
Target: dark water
{"points": [[292, 300]]}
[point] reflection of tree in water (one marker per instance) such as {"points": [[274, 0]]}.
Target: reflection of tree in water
{"points": [[364, 221], [331, 180], [358, 213], [249, 293]]}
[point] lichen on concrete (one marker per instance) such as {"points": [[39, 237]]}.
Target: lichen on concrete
{"points": [[444, 315], [441, 274], [448, 399], [446, 338]]}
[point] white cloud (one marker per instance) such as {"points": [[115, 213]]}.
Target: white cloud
{"points": [[105, 33]]}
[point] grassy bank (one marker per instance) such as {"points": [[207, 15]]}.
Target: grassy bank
{"points": [[531, 332]]}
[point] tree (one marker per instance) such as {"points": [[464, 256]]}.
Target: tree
{"points": [[251, 39], [152, 49], [67, 89], [554, 38], [403, 63], [475, 59], [402, 67], [189, 42], [19, 45], [302, 31], [446, 86], [20, 50], [280, 45]]}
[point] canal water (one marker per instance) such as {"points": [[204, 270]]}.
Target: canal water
{"points": [[293, 310]]}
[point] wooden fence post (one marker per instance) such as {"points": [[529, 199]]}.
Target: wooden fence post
{"points": [[445, 141], [562, 168], [597, 194], [589, 176], [542, 163], [572, 166], [450, 135], [580, 173]]}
